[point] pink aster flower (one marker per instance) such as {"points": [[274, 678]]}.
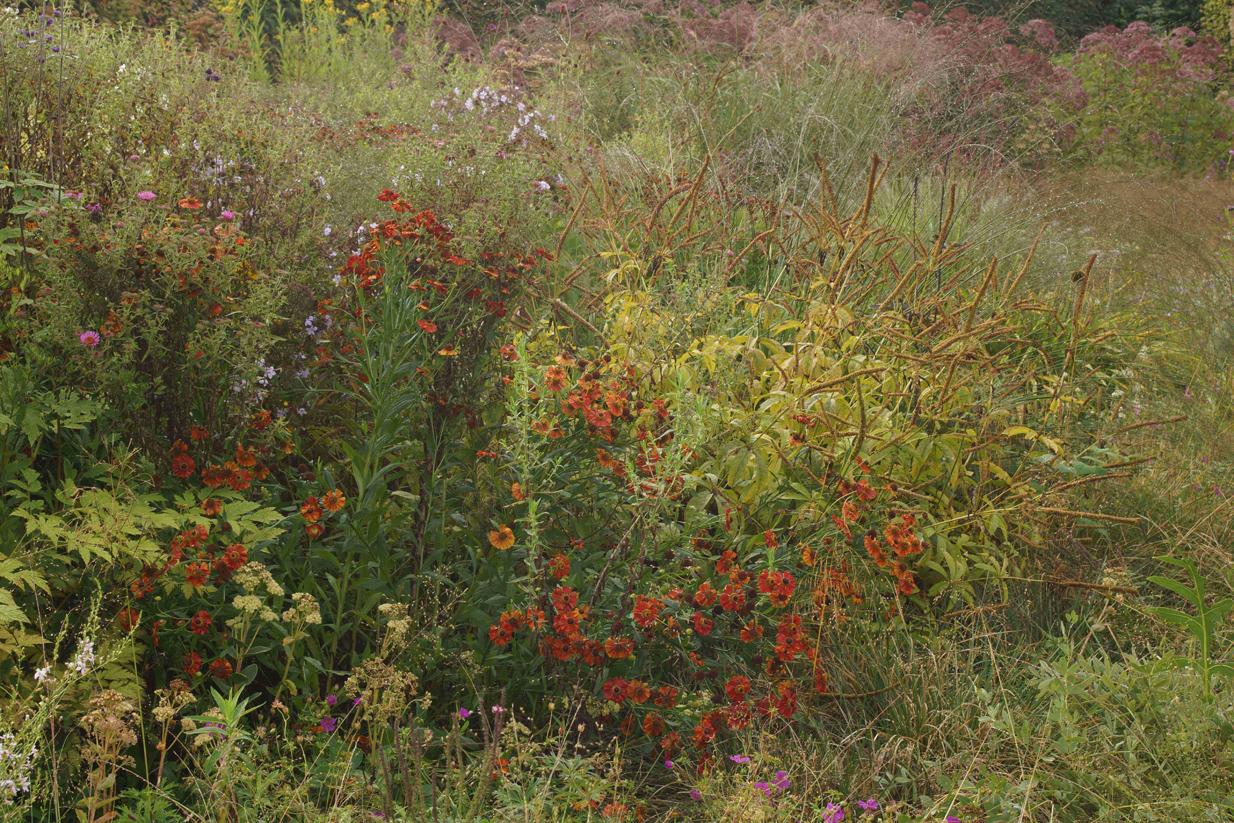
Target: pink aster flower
{"points": [[146, 196], [89, 338]]}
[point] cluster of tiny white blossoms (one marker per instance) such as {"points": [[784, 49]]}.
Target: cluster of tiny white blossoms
{"points": [[482, 99], [16, 767], [84, 658], [485, 101]]}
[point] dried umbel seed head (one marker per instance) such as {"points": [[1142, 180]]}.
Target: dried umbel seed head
{"points": [[110, 728]]}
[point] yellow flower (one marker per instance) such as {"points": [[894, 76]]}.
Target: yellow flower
{"points": [[501, 538]]}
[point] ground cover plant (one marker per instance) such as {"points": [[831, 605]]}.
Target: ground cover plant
{"points": [[612, 411]]}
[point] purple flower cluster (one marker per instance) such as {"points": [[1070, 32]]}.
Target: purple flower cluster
{"points": [[1181, 55]]}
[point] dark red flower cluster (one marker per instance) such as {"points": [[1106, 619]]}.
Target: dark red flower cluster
{"points": [[647, 611], [791, 640], [778, 586]]}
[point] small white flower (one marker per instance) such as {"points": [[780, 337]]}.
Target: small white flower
{"points": [[85, 657], [42, 674]]}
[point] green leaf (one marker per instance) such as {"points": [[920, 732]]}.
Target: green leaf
{"points": [[1177, 618], [1181, 590]]}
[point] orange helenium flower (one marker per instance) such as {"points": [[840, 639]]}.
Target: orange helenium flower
{"points": [[501, 538]]}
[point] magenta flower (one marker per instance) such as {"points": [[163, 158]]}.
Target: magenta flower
{"points": [[464, 713], [328, 724], [498, 709], [668, 764], [833, 813], [695, 794], [739, 758], [146, 196], [780, 781], [228, 214], [89, 338], [331, 699], [951, 818], [868, 805]]}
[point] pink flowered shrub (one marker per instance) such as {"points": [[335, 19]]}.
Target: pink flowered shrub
{"points": [[1153, 99]]}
